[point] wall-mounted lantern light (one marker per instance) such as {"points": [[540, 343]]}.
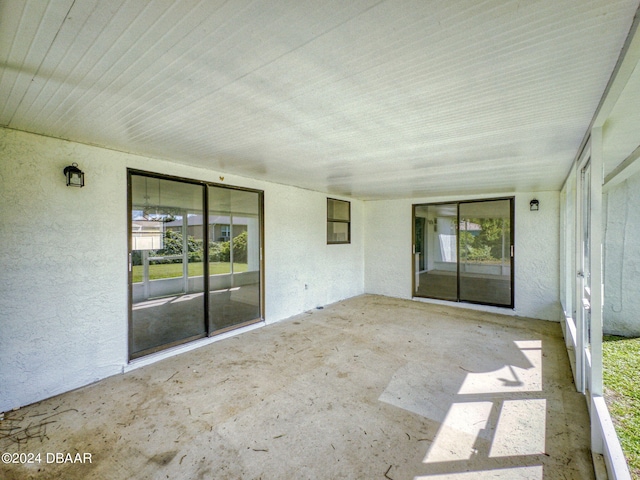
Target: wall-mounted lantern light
{"points": [[534, 205], [74, 176]]}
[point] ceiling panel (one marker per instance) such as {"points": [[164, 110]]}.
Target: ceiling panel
{"points": [[27, 30], [375, 99]]}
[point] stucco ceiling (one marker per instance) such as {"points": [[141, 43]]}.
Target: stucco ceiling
{"points": [[369, 98]]}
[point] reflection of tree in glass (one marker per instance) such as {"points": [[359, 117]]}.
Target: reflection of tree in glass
{"points": [[218, 251], [221, 251], [486, 241], [173, 246]]}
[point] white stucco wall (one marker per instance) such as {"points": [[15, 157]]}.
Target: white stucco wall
{"points": [[537, 265], [622, 259], [63, 251], [388, 241], [63, 287], [388, 254], [298, 254]]}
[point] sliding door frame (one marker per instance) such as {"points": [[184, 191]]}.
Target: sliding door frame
{"points": [[260, 318], [511, 240], [206, 280]]}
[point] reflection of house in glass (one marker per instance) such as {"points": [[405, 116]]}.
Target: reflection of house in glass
{"points": [[221, 227], [147, 234], [468, 226]]}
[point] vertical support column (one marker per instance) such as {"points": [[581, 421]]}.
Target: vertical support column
{"points": [[578, 251], [570, 242], [597, 180], [596, 252]]}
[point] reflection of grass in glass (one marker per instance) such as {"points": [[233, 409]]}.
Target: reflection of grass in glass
{"points": [[621, 363], [173, 270]]}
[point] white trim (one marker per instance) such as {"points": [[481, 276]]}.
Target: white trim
{"points": [[570, 326], [627, 61], [614, 458], [597, 255], [627, 168], [569, 332], [581, 374]]}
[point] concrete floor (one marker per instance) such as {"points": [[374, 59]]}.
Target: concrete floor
{"points": [[371, 387]]}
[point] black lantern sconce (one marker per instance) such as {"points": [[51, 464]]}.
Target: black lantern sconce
{"points": [[534, 205], [74, 176]]}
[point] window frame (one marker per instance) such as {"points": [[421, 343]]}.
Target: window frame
{"points": [[332, 220]]}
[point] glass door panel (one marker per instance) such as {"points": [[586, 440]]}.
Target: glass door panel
{"points": [[435, 256], [463, 251], [485, 252], [167, 250], [234, 257]]}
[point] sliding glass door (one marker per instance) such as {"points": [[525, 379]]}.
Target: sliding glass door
{"points": [[463, 251], [234, 257], [436, 255], [485, 252], [170, 268], [166, 257]]}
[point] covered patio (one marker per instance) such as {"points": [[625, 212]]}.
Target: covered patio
{"points": [[339, 392], [244, 164]]}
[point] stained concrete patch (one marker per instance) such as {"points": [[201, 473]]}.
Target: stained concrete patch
{"points": [[371, 387], [163, 459]]}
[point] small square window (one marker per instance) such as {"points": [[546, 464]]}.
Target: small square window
{"points": [[338, 221]]}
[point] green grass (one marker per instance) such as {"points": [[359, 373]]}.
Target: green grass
{"points": [[621, 376], [173, 270]]}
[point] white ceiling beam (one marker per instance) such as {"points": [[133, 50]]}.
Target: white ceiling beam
{"points": [[629, 167], [627, 62]]}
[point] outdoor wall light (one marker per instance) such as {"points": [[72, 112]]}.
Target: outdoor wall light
{"points": [[74, 176], [534, 205]]}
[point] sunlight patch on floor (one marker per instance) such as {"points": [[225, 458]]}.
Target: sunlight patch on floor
{"points": [[520, 429], [458, 435], [517, 473]]}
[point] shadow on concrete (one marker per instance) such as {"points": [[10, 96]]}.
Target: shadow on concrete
{"points": [[501, 416]]}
